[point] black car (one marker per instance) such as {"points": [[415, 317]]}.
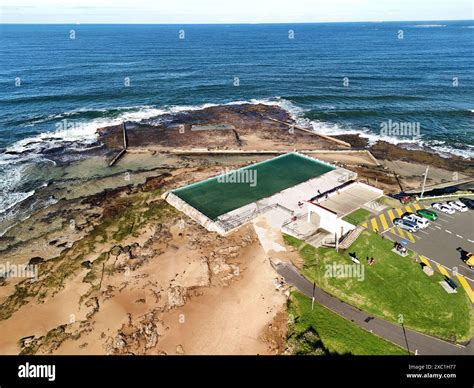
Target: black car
{"points": [[468, 202]]}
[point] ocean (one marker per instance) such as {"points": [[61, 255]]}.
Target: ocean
{"points": [[58, 83]]}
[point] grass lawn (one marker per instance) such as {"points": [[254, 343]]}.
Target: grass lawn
{"points": [[389, 201], [338, 335], [357, 216], [393, 287]]}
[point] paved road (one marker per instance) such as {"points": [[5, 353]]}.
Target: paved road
{"points": [[417, 342], [441, 239]]}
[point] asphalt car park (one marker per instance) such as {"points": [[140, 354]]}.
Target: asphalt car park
{"points": [[441, 245], [441, 239]]}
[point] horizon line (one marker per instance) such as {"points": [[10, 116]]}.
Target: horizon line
{"points": [[237, 23]]}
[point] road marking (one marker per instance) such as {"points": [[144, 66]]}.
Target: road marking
{"points": [[416, 206], [384, 222], [408, 209], [364, 225], [410, 237], [373, 222], [400, 232], [438, 227], [400, 212], [391, 215], [425, 261], [423, 231], [448, 231], [466, 287], [459, 236], [469, 269], [470, 241], [442, 270]]}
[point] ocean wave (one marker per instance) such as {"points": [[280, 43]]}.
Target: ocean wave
{"points": [[430, 25], [9, 201]]}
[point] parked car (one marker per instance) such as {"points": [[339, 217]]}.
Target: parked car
{"points": [[470, 260], [458, 206], [407, 225], [428, 214], [421, 222], [467, 257], [404, 199], [442, 207], [468, 202]]}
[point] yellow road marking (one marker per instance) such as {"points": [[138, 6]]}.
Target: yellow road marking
{"points": [[416, 206], [391, 215], [408, 209], [364, 225], [442, 270], [373, 222], [400, 232], [425, 261], [410, 237], [384, 222], [466, 287], [400, 212]]}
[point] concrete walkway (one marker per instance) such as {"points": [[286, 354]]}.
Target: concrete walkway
{"points": [[416, 342]]}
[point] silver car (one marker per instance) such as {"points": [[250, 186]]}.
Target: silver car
{"points": [[407, 225]]}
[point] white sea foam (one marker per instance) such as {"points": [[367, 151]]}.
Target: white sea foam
{"points": [[430, 25], [10, 200]]}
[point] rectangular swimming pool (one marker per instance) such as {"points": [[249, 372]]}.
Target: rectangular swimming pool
{"points": [[222, 194]]}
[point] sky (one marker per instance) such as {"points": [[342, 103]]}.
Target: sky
{"points": [[235, 11]]}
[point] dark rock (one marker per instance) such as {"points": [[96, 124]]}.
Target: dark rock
{"points": [[87, 264], [36, 260]]}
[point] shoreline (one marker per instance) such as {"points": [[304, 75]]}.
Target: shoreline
{"points": [[258, 117], [107, 222]]}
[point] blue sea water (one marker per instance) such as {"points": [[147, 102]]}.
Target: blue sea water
{"points": [[47, 77]]}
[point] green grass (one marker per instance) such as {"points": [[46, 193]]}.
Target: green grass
{"points": [[357, 216], [389, 201], [392, 288], [337, 335], [214, 197]]}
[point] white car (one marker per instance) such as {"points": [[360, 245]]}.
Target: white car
{"points": [[458, 206], [421, 222], [442, 207]]}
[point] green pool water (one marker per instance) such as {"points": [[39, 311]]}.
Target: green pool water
{"points": [[222, 194]]}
